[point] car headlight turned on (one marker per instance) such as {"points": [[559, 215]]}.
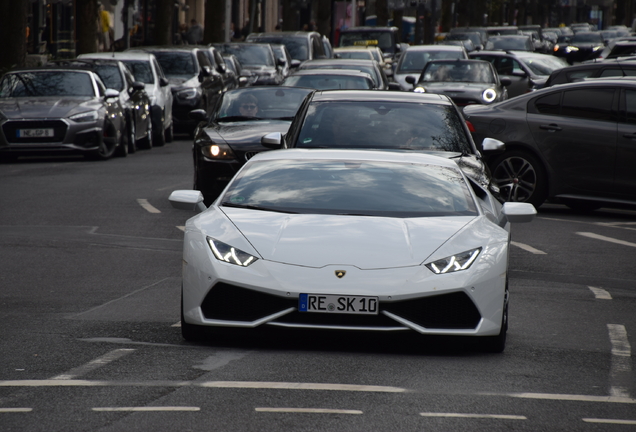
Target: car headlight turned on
{"points": [[229, 254], [419, 90], [454, 263], [85, 117], [218, 151], [187, 94], [571, 49], [489, 95]]}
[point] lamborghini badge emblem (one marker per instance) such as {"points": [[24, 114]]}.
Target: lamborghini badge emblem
{"points": [[340, 273]]}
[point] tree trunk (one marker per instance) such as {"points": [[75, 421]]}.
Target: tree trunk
{"points": [[163, 22], [213, 30], [87, 25], [290, 18], [382, 12], [323, 17], [13, 34]]}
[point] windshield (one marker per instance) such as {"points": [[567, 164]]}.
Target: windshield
{"points": [[415, 60], [259, 103], [297, 47], [543, 64], [384, 125], [587, 38], [509, 43], [365, 188], [49, 83], [329, 82], [111, 76], [384, 40], [251, 54], [458, 71], [176, 64], [141, 70], [343, 64]]}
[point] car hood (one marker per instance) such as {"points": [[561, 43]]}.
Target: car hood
{"points": [[46, 107], [179, 82], [365, 242], [246, 132]]}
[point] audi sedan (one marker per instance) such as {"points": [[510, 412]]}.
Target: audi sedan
{"points": [[349, 240], [59, 111]]}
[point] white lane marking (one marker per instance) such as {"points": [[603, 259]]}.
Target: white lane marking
{"points": [[147, 409], [621, 367], [177, 324], [609, 421], [308, 410], [607, 239], [480, 416], [603, 224], [15, 410], [527, 248], [147, 206], [600, 293], [204, 384], [94, 364], [182, 228], [564, 397]]}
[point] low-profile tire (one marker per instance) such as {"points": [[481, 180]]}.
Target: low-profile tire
{"points": [[122, 147], [159, 138], [497, 344], [131, 133], [169, 133], [520, 177], [107, 145], [190, 332], [147, 141]]}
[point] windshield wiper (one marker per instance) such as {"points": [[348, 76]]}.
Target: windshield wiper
{"points": [[254, 207]]}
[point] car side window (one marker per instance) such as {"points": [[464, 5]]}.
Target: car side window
{"points": [[549, 104], [591, 104], [611, 72], [316, 47], [630, 107]]}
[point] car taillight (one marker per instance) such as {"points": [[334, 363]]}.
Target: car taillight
{"points": [[470, 126]]}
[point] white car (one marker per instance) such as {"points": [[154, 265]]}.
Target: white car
{"points": [[146, 69], [349, 240]]}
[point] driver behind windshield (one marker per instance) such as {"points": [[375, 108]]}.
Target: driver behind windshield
{"points": [[248, 105]]}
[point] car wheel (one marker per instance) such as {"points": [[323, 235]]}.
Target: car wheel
{"points": [[131, 132], [170, 133], [107, 145], [159, 138], [520, 177], [190, 332], [497, 344], [122, 147], [147, 141]]}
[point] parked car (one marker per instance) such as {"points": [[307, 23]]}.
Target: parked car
{"points": [[59, 111], [395, 121], [145, 69], [258, 58], [232, 134], [367, 66], [570, 143], [326, 79], [294, 242], [528, 71], [301, 45], [464, 81], [414, 60], [193, 83], [132, 97], [609, 68]]}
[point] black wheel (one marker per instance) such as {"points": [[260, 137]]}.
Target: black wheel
{"points": [[159, 138], [107, 145], [122, 147], [131, 133], [496, 344], [190, 332], [520, 177], [170, 133], [147, 141]]}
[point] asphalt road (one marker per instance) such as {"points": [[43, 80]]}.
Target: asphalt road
{"points": [[90, 258]]}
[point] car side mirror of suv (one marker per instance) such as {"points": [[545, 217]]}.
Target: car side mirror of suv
{"points": [[273, 140], [111, 93], [505, 81], [163, 82], [410, 79], [138, 86], [492, 145]]}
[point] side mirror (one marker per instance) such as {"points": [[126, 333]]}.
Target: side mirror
{"points": [[520, 74], [205, 72], [272, 140], [517, 212], [187, 200], [410, 79], [138, 86], [505, 81], [295, 63], [492, 145], [111, 93], [198, 115], [221, 69], [163, 82], [281, 62]]}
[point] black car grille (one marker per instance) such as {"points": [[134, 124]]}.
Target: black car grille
{"points": [[11, 128], [446, 311]]}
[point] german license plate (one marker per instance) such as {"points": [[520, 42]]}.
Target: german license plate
{"points": [[35, 133], [340, 304]]}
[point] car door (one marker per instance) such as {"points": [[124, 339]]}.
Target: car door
{"points": [[626, 146], [575, 130]]}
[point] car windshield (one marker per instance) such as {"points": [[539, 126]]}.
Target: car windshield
{"points": [[178, 64], [251, 54], [384, 125], [543, 64], [416, 60], [476, 72], [351, 187], [363, 55], [141, 70], [329, 82], [368, 38], [509, 43], [111, 76], [297, 47], [46, 83], [343, 64], [262, 103], [587, 38]]}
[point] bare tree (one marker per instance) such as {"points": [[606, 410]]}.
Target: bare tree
{"points": [[13, 25], [87, 19], [213, 30], [163, 22]]}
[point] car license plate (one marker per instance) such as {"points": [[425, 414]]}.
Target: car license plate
{"points": [[327, 303], [35, 133]]}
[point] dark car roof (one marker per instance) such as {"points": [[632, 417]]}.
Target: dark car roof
{"points": [[341, 72], [369, 95], [368, 28], [184, 48], [278, 35]]}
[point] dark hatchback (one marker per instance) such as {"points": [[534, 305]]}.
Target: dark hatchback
{"points": [[229, 138], [572, 143], [397, 121]]}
